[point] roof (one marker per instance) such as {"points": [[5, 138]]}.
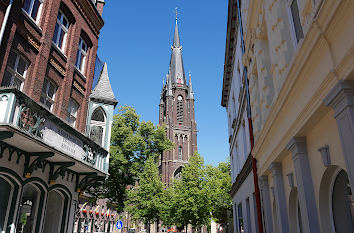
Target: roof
{"points": [[103, 89], [231, 36]]}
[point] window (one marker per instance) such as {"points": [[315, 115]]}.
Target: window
{"points": [[72, 112], [48, 94], [61, 31], [297, 28], [180, 153], [98, 126], [15, 72], [33, 8], [81, 56], [180, 109]]}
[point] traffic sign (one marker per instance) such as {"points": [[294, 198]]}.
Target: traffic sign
{"points": [[119, 224]]}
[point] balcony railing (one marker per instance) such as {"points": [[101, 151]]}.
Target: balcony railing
{"points": [[21, 112]]}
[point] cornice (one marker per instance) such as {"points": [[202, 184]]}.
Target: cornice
{"points": [[300, 58], [90, 14]]}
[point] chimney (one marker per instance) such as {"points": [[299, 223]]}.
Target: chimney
{"points": [[100, 5]]}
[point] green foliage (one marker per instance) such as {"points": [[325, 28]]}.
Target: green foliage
{"points": [[132, 143], [202, 193], [143, 202]]}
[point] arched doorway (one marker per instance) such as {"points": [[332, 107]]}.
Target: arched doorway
{"points": [[5, 196], [29, 206], [295, 212], [342, 207], [336, 208], [55, 214]]}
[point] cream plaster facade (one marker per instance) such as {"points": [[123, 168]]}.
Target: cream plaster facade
{"points": [[301, 99]]}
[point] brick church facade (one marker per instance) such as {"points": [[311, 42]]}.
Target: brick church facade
{"points": [[176, 111]]}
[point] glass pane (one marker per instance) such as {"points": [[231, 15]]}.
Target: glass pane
{"points": [[12, 60], [21, 68], [65, 22], [82, 62], [44, 88], [61, 39], [51, 91], [27, 5], [296, 19], [17, 83], [42, 99], [78, 59], [96, 134], [6, 81], [59, 16], [55, 37], [98, 115], [48, 104], [35, 9]]}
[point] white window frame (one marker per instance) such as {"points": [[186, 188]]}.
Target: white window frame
{"points": [[72, 117], [291, 22], [45, 94], [81, 51], [61, 27], [99, 123], [13, 70], [39, 13]]}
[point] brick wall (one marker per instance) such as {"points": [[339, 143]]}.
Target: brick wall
{"points": [[34, 42]]}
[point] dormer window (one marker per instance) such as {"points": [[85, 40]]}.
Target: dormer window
{"points": [[97, 126]]}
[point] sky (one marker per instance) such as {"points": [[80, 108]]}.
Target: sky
{"points": [[136, 44]]}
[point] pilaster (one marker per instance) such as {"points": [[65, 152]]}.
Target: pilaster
{"points": [[309, 218], [279, 195], [341, 100], [266, 203]]}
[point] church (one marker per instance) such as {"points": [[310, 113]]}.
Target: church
{"points": [[176, 111]]}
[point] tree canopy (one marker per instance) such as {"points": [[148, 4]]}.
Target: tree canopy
{"points": [[132, 143]]}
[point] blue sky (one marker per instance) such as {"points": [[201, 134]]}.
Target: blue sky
{"points": [[135, 42]]}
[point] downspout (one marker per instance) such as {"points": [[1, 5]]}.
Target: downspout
{"points": [[4, 23], [250, 127]]}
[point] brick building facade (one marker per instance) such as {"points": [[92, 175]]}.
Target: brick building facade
{"points": [[55, 124]]}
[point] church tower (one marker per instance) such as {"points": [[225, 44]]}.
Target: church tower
{"points": [[176, 111]]}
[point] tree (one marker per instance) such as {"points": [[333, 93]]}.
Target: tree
{"points": [[219, 186], [132, 143], [143, 201], [191, 204]]}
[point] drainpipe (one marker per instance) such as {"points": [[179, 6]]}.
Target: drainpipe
{"points": [[4, 23], [250, 127]]}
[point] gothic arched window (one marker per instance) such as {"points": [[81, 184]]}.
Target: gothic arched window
{"points": [[180, 110], [180, 153], [97, 126]]}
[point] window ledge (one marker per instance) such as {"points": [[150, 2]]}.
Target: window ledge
{"points": [[61, 54], [80, 74], [32, 22]]}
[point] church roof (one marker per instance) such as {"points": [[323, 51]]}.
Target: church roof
{"points": [[176, 70], [103, 90]]}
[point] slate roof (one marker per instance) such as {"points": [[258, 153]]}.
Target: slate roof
{"points": [[103, 90], [176, 70]]}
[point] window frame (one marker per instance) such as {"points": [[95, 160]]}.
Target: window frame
{"points": [[13, 70], [72, 118], [61, 27], [46, 97], [99, 123], [292, 24], [81, 51], [39, 11]]}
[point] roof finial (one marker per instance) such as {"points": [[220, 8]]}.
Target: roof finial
{"points": [[176, 10]]}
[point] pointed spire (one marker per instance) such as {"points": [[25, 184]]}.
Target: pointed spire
{"points": [[176, 70], [103, 90], [190, 88]]}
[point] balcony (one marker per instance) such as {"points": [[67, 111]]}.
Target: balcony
{"points": [[29, 127]]}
